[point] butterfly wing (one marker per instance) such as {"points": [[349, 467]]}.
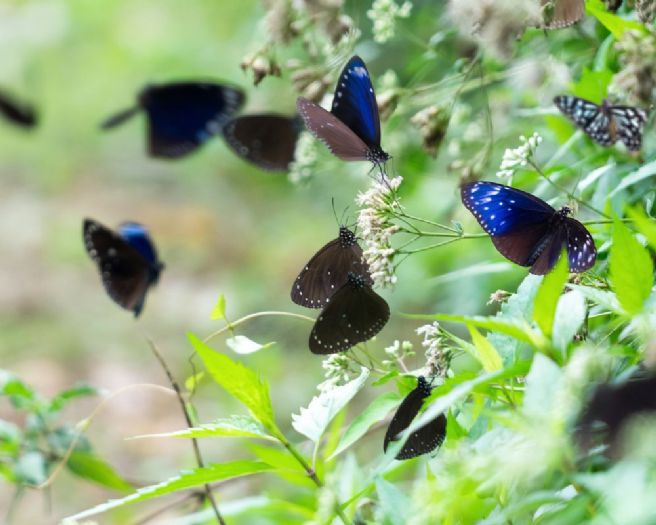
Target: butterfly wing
{"points": [[125, 274], [17, 112], [182, 116], [628, 123], [588, 116], [266, 140], [581, 251], [335, 134], [119, 118], [353, 315], [562, 13]]}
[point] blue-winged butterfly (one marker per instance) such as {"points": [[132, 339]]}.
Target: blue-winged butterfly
{"points": [[126, 259], [351, 129], [526, 230], [424, 440], [605, 123], [267, 140], [17, 112], [328, 269], [182, 115], [354, 314]]}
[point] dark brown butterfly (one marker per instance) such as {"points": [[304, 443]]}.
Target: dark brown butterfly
{"points": [[17, 112], [424, 440], [562, 13]]}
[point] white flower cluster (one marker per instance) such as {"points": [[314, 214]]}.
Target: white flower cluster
{"points": [[305, 157], [374, 223], [338, 370], [397, 351], [518, 157], [436, 358], [383, 14]]}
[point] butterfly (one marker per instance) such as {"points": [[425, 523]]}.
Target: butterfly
{"points": [[354, 314], [182, 115], [351, 129], [17, 112], [266, 140], [127, 261], [562, 13], [328, 269], [424, 440], [605, 124], [526, 229]]}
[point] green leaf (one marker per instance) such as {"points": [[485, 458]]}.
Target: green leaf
{"points": [[240, 382], [394, 504], [642, 173], [313, 420], [484, 351], [570, 315], [593, 84], [601, 297], [542, 382], [286, 466], [374, 413], [61, 400], [185, 480], [615, 24], [31, 469], [89, 466], [645, 225], [241, 344], [233, 426], [218, 312], [548, 294], [192, 382], [631, 269]]}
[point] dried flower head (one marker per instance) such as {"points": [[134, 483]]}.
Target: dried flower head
{"points": [[432, 122], [513, 159], [646, 10], [636, 81], [383, 14], [437, 358], [500, 296], [261, 64]]}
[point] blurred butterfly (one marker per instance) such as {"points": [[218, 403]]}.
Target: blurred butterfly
{"points": [[17, 112], [351, 129], [354, 314], [328, 270], [424, 440], [562, 13], [613, 5], [526, 229], [182, 115], [266, 140], [605, 124], [126, 259]]}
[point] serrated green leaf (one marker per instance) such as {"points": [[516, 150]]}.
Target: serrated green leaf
{"points": [[185, 480], [240, 382], [645, 225], [569, 317], [313, 420], [218, 312], [615, 24], [374, 413], [240, 344], [548, 294], [233, 426], [89, 466], [484, 351], [593, 84], [631, 269]]}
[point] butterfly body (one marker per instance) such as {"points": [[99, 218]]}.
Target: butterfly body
{"points": [[424, 440], [605, 123], [354, 314], [527, 230], [351, 129], [127, 261]]}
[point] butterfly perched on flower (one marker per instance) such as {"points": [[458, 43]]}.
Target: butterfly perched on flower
{"points": [[425, 439], [605, 124], [526, 230], [182, 115], [561, 13], [267, 140], [17, 112], [126, 259], [328, 270], [351, 129], [354, 314]]}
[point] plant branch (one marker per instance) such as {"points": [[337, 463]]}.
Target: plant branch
{"points": [[231, 326]]}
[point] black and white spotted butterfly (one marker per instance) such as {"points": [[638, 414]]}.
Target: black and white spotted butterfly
{"points": [[605, 124], [424, 440], [127, 261], [528, 231]]}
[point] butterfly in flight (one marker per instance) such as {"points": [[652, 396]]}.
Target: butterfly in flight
{"points": [[562, 13], [17, 112], [526, 229], [328, 270], [127, 261], [354, 314], [351, 129], [267, 140], [182, 115], [605, 124], [425, 439]]}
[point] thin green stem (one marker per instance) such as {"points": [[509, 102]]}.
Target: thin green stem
{"points": [[231, 326], [452, 238], [425, 221]]}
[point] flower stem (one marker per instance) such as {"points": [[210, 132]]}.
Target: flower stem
{"points": [[231, 326]]}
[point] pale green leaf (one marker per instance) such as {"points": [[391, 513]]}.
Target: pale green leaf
{"points": [[485, 352], [374, 413], [192, 382], [313, 420], [570, 315], [394, 503], [601, 297], [233, 426], [218, 312], [642, 173], [631, 269], [548, 294], [89, 466], [185, 480], [615, 24], [240, 382], [240, 344], [645, 225], [542, 382]]}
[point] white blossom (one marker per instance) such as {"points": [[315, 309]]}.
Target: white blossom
{"points": [[514, 159], [384, 13], [305, 157], [338, 370], [437, 359]]}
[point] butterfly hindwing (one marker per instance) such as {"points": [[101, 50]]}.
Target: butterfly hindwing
{"points": [[562, 13], [629, 122], [581, 251]]}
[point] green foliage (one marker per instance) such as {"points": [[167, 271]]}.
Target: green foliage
{"points": [[547, 297]]}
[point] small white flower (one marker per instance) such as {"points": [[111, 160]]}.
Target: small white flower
{"points": [[384, 13], [514, 159], [338, 370], [305, 157]]}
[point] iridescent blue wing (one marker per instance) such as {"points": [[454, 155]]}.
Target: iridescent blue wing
{"points": [[628, 123], [136, 235], [588, 116]]}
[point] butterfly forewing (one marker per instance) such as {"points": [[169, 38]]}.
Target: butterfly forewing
{"points": [[266, 140], [562, 13], [354, 314]]}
